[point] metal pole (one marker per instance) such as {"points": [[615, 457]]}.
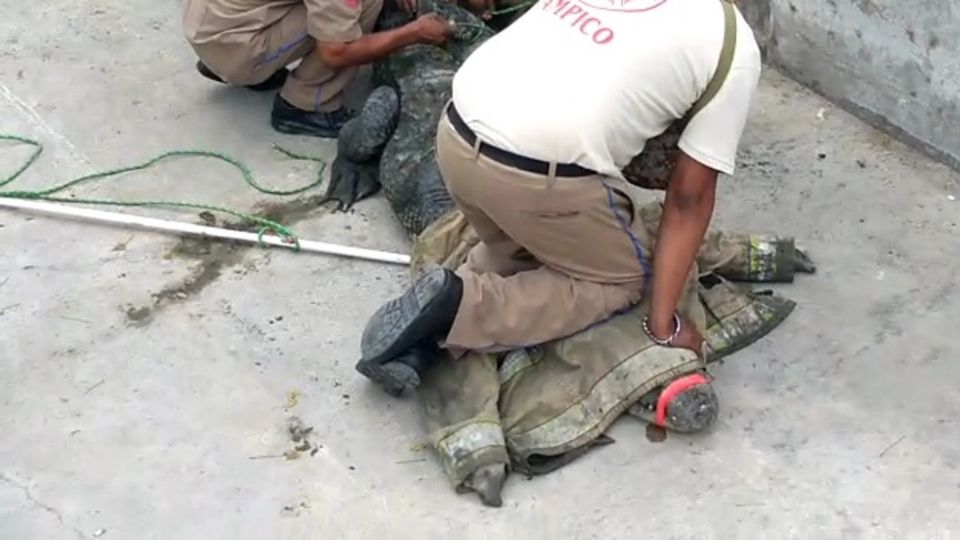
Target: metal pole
{"points": [[200, 230]]}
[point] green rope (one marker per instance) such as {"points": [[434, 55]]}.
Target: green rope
{"points": [[50, 194], [30, 161], [473, 32], [511, 9]]}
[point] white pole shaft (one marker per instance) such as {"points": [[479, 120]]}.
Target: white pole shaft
{"points": [[200, 230]]}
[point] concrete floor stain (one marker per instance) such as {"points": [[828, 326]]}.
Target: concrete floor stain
{"points": [[215, 256]]}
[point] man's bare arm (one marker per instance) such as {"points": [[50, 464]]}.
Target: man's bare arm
{"points": [[687, 211], [430, 28]]}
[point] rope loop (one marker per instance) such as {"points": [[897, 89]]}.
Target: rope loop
{"points": [[51, 194]]}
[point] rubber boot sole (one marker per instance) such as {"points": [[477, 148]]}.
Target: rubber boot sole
{"points": [[394, 327], [392, 377]]}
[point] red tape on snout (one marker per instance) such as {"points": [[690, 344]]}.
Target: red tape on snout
{"points": [[673, 390]]}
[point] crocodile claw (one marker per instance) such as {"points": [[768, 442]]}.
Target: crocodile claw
{"points": [[803, 263], [487, 482], [351, 182]]}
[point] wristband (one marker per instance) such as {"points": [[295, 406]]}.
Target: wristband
{"points": [[669, 340]]}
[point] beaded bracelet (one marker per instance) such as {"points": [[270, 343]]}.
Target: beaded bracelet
{"points": [[669, 340]]}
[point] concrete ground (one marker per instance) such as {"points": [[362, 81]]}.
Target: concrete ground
{"points": [[141, 375]]}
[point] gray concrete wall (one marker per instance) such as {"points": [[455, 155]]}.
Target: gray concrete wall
{"points": [[893, 63]]}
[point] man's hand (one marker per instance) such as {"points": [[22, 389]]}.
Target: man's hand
{"points": [[689, 338], [429, 28], [433, 29]]}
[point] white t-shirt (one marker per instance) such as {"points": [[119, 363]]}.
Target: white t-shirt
{"points": [[590, 81]]}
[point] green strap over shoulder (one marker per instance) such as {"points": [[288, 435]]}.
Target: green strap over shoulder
{"points": [[725, 61]]}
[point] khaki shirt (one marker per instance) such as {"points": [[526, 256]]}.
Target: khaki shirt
{"points": [[215, 20]]}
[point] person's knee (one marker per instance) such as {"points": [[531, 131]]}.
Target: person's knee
{"points": [[236, 65], [239, 75]]}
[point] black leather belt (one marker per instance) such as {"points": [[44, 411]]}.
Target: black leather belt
{"points": [[510, 159]]}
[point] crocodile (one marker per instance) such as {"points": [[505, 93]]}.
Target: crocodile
{"points": [[388, 145]]}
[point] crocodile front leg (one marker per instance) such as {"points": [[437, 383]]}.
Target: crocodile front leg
{"points": [[354, 175]]}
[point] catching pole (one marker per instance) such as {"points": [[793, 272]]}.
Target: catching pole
{"points": [[154, 224]]}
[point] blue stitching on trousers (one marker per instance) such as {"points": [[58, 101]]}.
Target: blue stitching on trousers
{"points": [[637, 246], [282, 50]]}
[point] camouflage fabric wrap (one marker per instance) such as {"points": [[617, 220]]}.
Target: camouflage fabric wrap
{"points": [[542, 407]]}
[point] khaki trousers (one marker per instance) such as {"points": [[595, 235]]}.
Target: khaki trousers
{"points": [[251, 54], [556, 254]]}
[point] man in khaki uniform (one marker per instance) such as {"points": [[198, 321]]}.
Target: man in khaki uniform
{"points": [[250, 43], [544, 117]]}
